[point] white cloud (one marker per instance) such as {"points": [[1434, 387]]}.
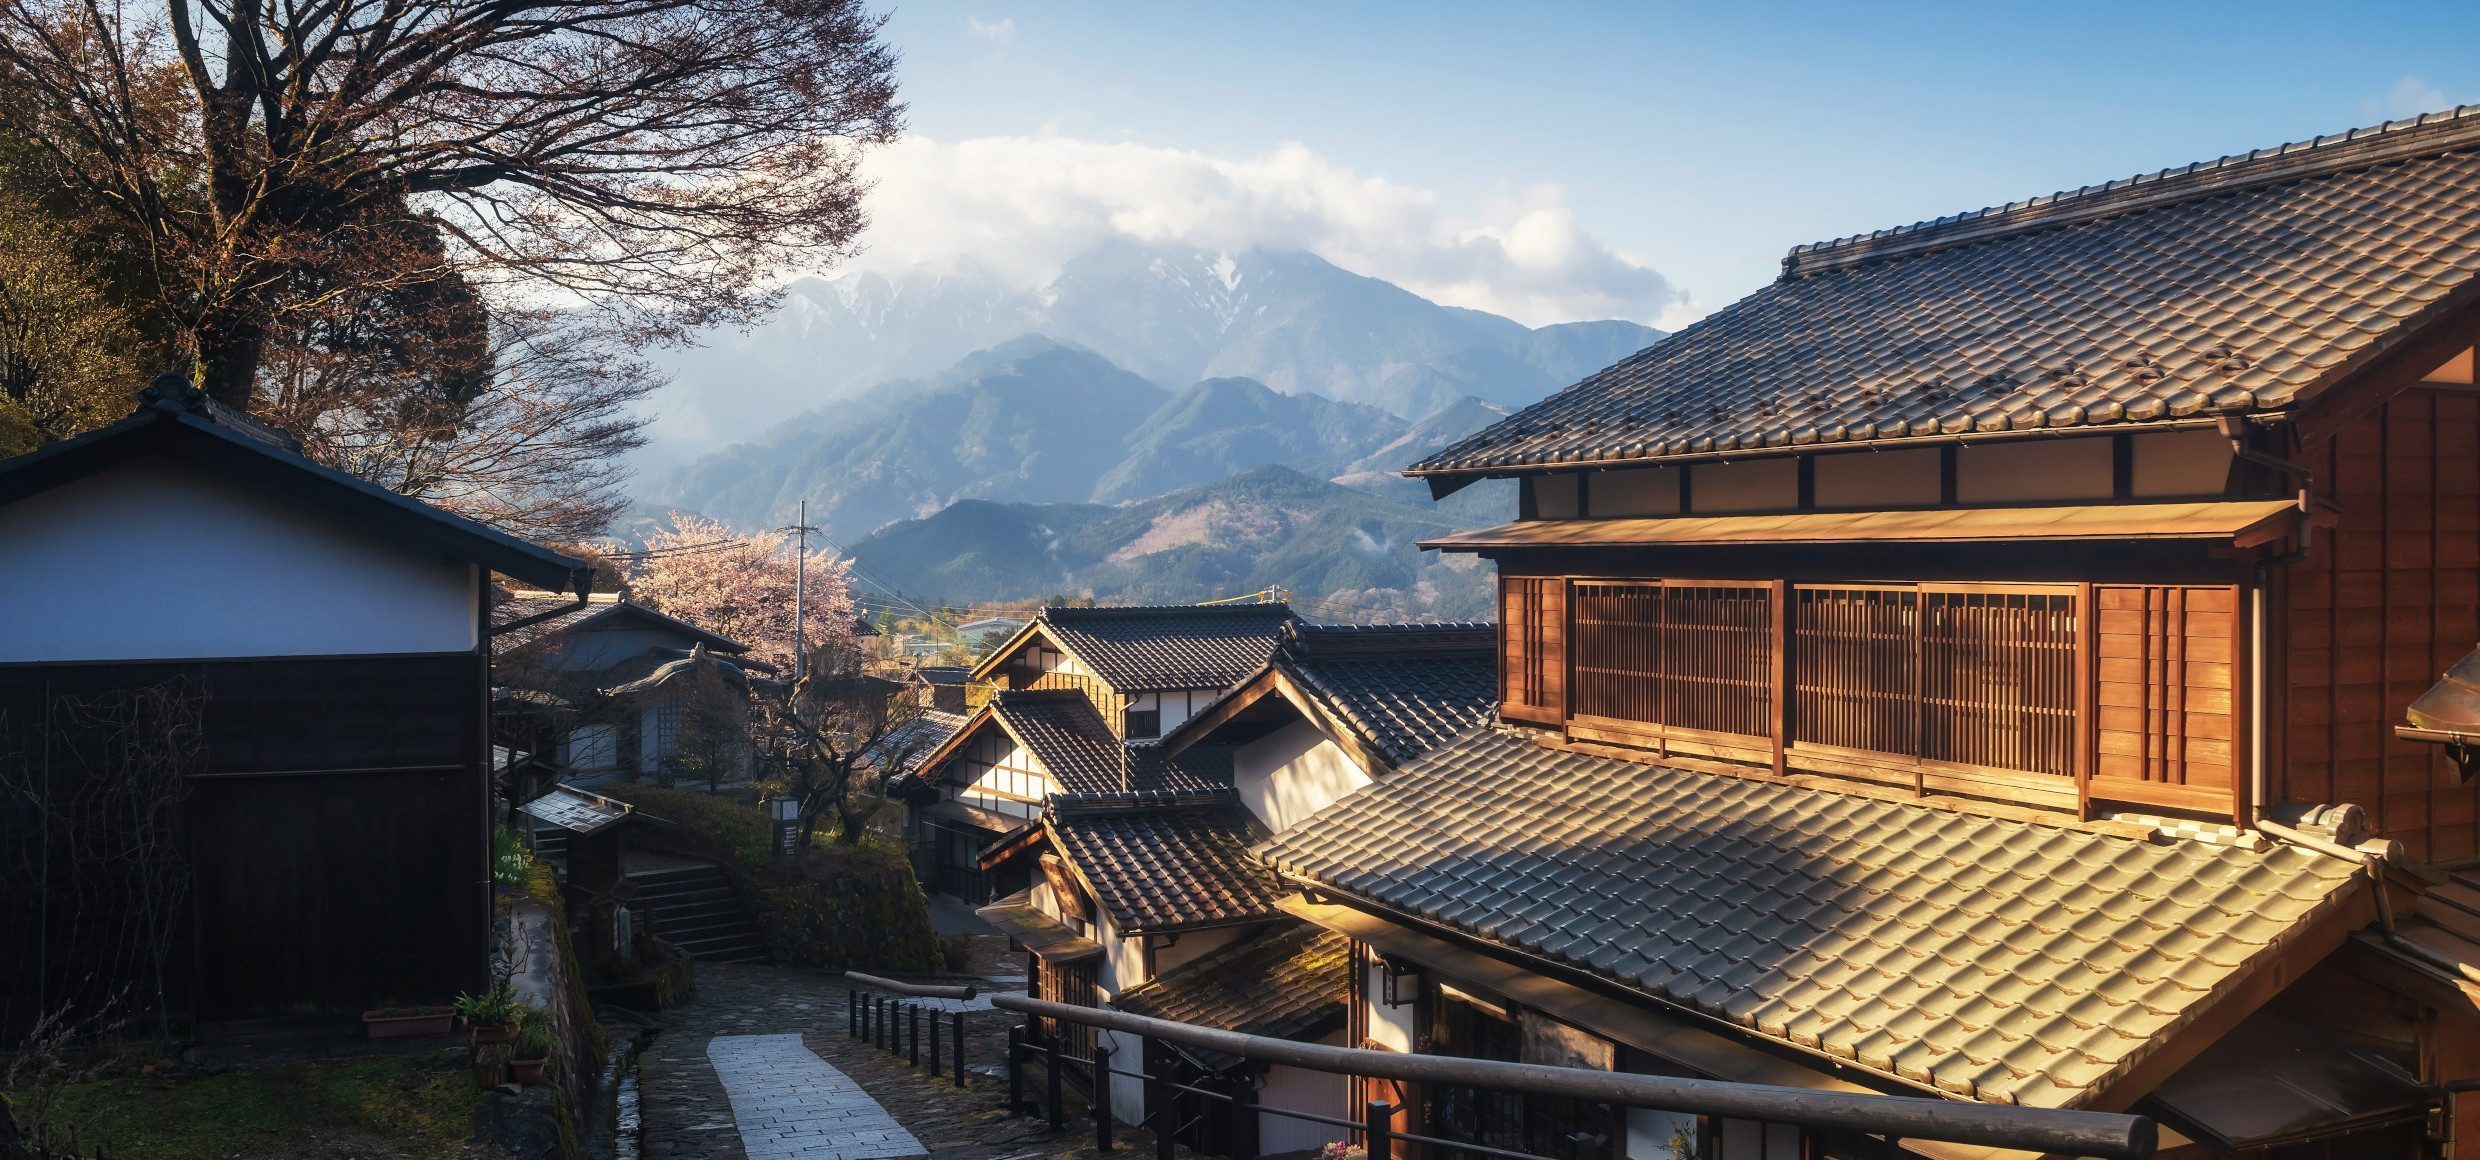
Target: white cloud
{"points": [[1024, 205], [2412, 96], [996, 32]]}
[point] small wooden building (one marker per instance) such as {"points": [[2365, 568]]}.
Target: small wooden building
{"points": [[582, 655], [1969, 666], [315, 837]]}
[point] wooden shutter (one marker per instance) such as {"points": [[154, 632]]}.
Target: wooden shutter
{"points": [[2166, 679], [1532, 620]]}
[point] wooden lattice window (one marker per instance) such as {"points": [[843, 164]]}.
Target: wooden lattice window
{"points": [[1855, 670], [1532, 617], [1998, 679], [1970, 675], [1619, 650], [1685, 655]]}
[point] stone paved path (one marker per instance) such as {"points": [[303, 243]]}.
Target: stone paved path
{"points": [[688, 1113], [789, 1105]]}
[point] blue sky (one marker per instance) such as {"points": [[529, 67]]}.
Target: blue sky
{"points": [[1568, 159]]}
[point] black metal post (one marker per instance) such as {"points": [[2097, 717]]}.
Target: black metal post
{"points": [[1050, 1083], [934, 1045], [1376, 1123], [1162, 1107], [1102, 1098], [1015, 1068], [852, 1020], [913, 1037], [1244, 1114], [958, 1028]]}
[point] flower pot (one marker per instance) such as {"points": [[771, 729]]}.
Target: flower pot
{"points": [[490, 1073], [492, 1036], [386, 1024], [528, 1071]]}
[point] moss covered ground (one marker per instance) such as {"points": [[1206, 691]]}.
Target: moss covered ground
{"points": [[387, 1106]]}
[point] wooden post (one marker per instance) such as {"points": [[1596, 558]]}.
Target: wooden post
{"points": [[934, 1045], [852, 1013], [1102, 1098], [1015, 1068], [913, 1038], [958, 1027], [1050, 1083], [1375, 1125], [1244, 1117], [1780, 676], [2087, 688]]}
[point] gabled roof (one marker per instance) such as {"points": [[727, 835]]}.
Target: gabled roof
{"points": [[602, 611], [1291, 984], [2251, 282], [1400, 690], [1169, 869], [177, 421], [1996, 960], [1146, 648], [1090, 766]]}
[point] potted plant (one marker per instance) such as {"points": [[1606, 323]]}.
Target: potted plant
{"points": [[532, 1052], [490, 1017], [491, 1066], [406, 1022]]}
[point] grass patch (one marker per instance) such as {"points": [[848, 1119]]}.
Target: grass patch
{"points": [[381, 1106]]}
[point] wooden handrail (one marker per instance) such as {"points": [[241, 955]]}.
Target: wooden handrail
{"points": [[917, 990], [2048, 1130]]}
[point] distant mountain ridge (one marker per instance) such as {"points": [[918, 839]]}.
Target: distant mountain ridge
{"points": [[1028, 421], [1349, 554], [1174, 316]]}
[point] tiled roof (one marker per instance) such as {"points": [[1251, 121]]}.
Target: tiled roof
{"points": [[2243, 283], [1018, 918], [523, 604], [1406, 688], [1998, 960], [1291, 984], [914, 741], [1165, 869], [1090, 764], [1178, 647], [943, 674]]}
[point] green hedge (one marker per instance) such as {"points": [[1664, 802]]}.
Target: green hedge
{"points": [[839, 908]]}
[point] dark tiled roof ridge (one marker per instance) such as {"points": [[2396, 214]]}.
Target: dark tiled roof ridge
{"points": [[2429, 133], [1079, 612]]}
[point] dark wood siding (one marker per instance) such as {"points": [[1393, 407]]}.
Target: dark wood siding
{"points": [[336, 836], [2383, 602]]}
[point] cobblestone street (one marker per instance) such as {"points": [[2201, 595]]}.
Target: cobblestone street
{"points": [[688, 1113]]}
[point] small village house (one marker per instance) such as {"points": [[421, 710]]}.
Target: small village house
{"points": [[1970, 667], [619, 704], [322, 775], [1337, 707]]}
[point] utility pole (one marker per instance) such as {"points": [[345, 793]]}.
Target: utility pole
{"points": [[800, 586]]}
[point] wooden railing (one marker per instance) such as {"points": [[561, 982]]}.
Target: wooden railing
{"points": [[2043, 694]]}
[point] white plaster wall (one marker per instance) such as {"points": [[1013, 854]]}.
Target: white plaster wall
{"points": [[1293, 772], [1389, 1027], [1301, 1090], [153, 560], [1195, 944]]}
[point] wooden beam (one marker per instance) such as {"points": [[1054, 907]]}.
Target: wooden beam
{"points": [[2452, 327]]}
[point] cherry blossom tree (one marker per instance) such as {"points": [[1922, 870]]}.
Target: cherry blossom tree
{"points": [[741, 586]]}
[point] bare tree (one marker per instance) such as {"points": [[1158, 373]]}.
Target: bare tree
{"points": [[844, 732], [658, 160], [530, 445]]}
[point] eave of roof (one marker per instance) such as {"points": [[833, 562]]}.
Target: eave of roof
{"points": [[1994, 960], [2227, 520], [176, 423]]}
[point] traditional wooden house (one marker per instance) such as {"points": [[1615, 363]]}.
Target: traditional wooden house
{"points": [[600, 664], [1110, 680], [1968, 667], [245, 756]]}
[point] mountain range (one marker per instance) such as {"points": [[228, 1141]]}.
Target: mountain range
{"points": [[1172, 316], [1346, 554]]}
